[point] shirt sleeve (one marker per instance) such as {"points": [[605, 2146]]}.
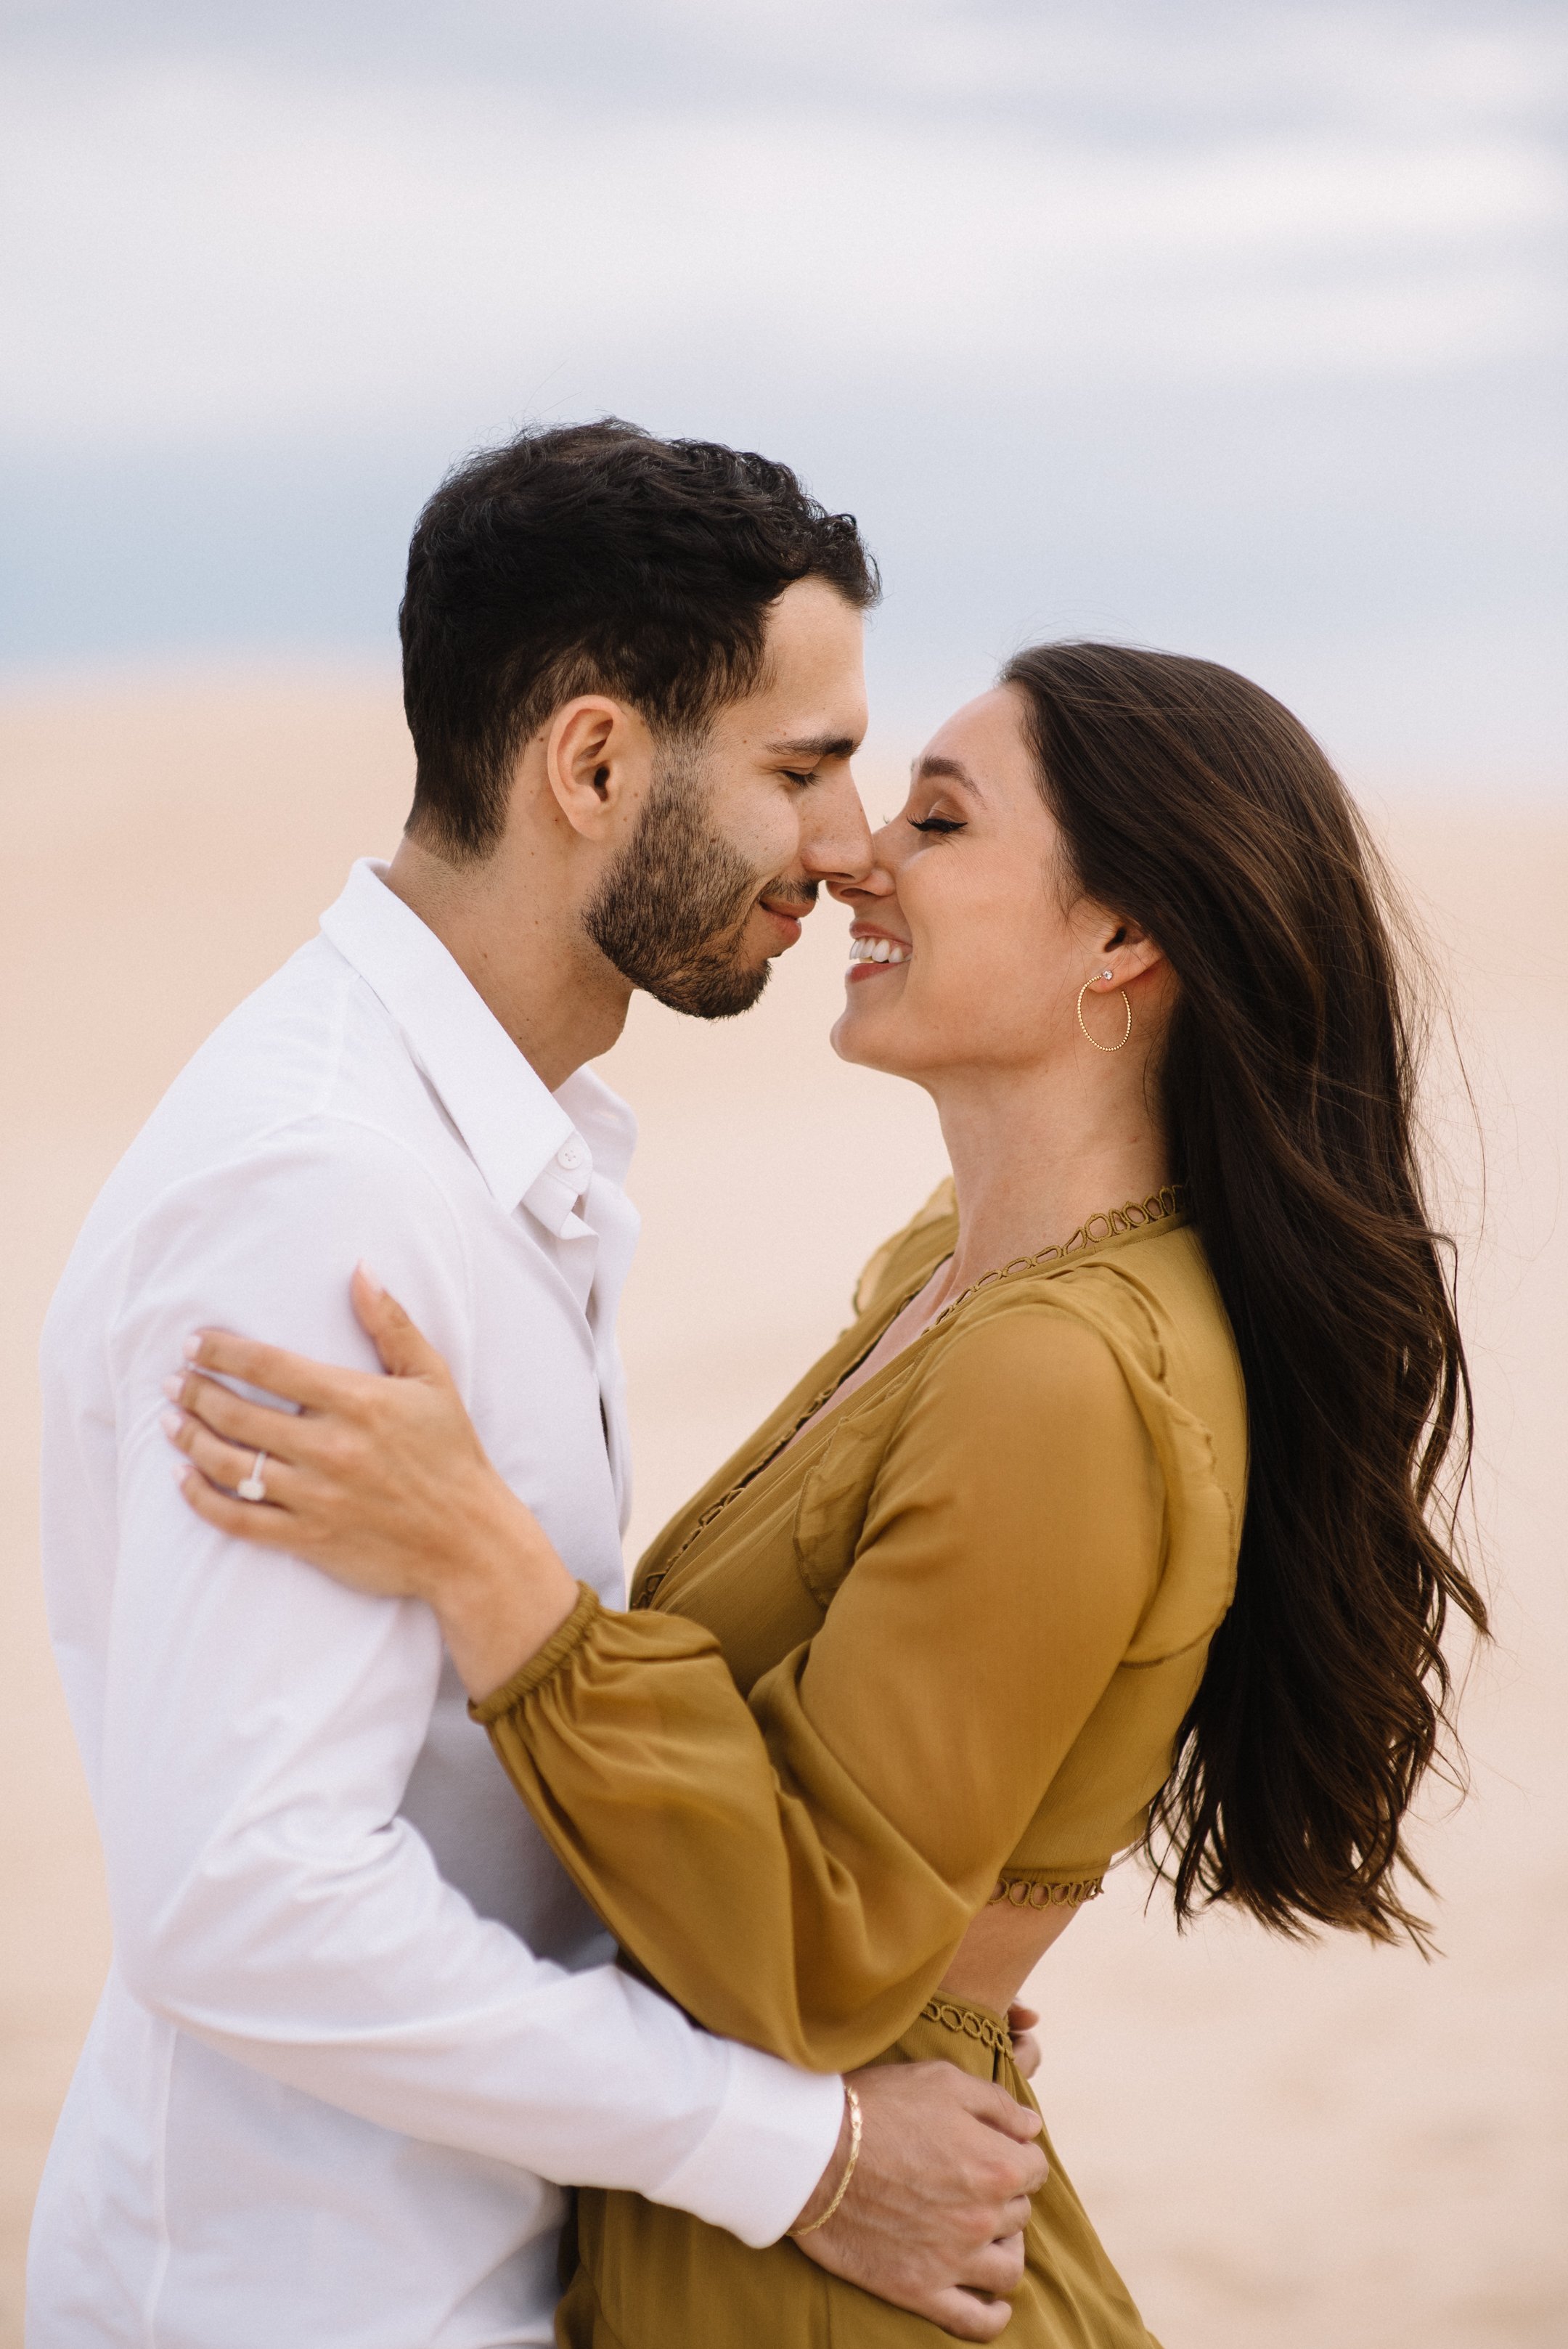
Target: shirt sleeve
{"points": [[797, 1867], [260, 1724]]}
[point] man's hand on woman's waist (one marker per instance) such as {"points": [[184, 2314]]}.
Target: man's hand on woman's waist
{"points": [[934, 2217]]}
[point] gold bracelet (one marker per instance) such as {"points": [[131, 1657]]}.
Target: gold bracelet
{"points": [[854, 2103]]}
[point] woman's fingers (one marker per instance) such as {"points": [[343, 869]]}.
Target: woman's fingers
{"points": [[286, 1434], [406, 1353], [323, 1388], [225, 1464], [253, 1521], [320, 1386], [1021, 2022], [1026, 2053]]}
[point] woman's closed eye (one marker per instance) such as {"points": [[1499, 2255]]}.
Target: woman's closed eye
{"points": [[937, 824]]}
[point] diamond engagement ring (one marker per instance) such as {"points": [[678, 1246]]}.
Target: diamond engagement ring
{"points": [[254, 1489]]}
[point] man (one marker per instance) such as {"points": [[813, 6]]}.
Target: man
{"points": [[357, 2017]]}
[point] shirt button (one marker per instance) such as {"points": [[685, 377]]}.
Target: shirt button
{"points": [[571, 1155]]}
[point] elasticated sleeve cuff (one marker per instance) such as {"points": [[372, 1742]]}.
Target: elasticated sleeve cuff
{"points": [[542, 1665]]}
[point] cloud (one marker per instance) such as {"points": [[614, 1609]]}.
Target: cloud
{"points": [[1232, 325], [212, 240], [1160, 70]]}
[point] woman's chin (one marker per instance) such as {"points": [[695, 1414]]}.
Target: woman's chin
{"points": [[854, 1038]]}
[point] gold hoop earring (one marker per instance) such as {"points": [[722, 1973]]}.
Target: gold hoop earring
{"points": [[1126, 1006]]}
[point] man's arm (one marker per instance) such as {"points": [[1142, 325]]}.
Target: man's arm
{"points": [[260, 1728], [937, 2204]]}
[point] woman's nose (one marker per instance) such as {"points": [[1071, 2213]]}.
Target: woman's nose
{"points": [[875, 883], [877, 880]]}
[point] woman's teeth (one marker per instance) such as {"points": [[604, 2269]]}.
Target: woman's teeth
{"points": [[876, 950]]}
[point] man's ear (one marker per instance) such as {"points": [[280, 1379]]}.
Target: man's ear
{"points": [[598, 760]]}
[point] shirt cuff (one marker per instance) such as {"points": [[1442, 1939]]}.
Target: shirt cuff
{"points": [[759, 2164], [541, 1662]]}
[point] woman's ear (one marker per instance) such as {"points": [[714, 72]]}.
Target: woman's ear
{"points": [[598, 762], [1128, 951]]}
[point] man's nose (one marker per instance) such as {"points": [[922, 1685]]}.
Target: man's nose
{"points": [[835, 839]]}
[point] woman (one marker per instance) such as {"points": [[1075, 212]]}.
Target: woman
{"points": [[1110, 1519]]}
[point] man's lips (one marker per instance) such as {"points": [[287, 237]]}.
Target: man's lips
{"points": [[788, 912]]}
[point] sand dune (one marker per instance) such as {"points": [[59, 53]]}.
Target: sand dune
{"points": [[1296, 2145]]}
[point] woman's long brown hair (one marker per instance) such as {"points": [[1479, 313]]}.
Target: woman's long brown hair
{"points": [[1193, 803]]}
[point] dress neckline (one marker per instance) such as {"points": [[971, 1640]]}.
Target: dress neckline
{"points": [[1167, 1205], [1164, 1209]]}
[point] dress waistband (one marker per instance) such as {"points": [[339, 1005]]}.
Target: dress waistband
{"points": [[972, 2022]]}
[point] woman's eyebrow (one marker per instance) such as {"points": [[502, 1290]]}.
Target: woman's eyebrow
{"points": [[945, 770]]}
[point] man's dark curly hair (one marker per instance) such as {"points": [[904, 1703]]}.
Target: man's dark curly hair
{"points": [[593, 558]]}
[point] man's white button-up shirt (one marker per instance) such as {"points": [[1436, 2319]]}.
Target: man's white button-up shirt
{"points": [[356, 2016]]}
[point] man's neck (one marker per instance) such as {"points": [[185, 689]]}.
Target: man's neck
{"points": [[519, 944]]}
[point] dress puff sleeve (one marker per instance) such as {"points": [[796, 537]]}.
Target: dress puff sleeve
{"points": [[797, 1867]]}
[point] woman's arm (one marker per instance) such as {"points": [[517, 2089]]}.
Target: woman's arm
{"points": [[797, 1870]]}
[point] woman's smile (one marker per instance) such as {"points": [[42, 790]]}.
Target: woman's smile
{"points": [[873, 950]]}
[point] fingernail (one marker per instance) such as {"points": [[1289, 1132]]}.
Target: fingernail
{"points": [[192, 1346], [377, 1287], [171, 1422], [179, 1470], [173, 1389]]}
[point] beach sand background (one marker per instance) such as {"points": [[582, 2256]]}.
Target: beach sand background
{"points": [[1291, 2146]]}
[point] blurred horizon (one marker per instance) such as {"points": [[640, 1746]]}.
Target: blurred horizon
{"points": [[1233, 329]]}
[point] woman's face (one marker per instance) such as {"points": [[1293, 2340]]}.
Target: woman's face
{"points": [[983, 953]]}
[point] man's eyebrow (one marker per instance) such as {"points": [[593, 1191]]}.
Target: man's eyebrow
{"points": [[946, 771], [815, 746]]}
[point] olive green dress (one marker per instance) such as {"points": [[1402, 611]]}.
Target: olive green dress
{"points": [[932, 1654]]}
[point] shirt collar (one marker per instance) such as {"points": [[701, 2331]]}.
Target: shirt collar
{"points": [[515, 1128]]}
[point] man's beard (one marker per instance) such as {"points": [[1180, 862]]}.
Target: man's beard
{"points": [[670, 913]]}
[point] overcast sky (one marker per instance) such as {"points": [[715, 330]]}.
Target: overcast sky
{"points": [[1238, 328]]}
